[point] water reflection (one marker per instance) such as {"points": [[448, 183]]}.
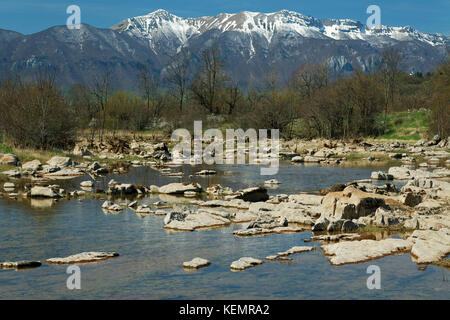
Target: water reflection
{"points": [[150, 261]]}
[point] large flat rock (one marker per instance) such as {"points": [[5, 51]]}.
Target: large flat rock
{"points": [[359, 251], [83, 257], [189, 221], [429, 245], [245, 263]]}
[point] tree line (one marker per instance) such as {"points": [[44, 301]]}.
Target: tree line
{"points": [[37, 113]]}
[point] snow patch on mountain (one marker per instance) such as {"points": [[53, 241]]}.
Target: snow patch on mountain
{"points": [[162, 26]]}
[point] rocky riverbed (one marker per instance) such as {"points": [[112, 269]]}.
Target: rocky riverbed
{"points": [[407, 203]]}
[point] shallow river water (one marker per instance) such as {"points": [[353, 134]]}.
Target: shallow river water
{"points": [[150, 261]]}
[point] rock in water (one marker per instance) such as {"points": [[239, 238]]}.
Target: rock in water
{"points": [[43, 192], [364, 250], [9, 159], [296, 249], [84, 257], [430, 246], [253, 194], [60, 161], [196, 263], [189, 221], [33, 165], [245, 263], [20, 265], [87, 184], [180, 188]]}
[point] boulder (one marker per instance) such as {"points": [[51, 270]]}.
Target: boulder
{"points": [[144, 209], [385, 218], [33, 165], [60, 161], [196, 263], [180, 188], [124, 188], [349, 204], [266, 221], [321, 224], [9, 159], [411, 199], [217, 189], [43, 192], [379, 175], [349, 225], [297, 159], [8, 185], [245, 263], [253, 194], [79, 150], [335, 225], [87, 184], [430, 246]]}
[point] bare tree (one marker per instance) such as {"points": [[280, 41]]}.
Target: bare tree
{"points": [[389, 71], [209, 80], [149, 85], [101, 89], [233, 97], [310, 77], [177, 75]]}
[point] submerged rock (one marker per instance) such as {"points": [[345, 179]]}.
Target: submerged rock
{"points": [[245, 263], [196, 263], [83, 257]]}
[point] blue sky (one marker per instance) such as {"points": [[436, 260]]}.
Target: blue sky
{"points": [[29, 16]]}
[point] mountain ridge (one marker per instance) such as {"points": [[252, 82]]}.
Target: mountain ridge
{"points": [[251, 43]]}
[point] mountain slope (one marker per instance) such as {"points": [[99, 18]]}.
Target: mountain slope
{"points": [[250, 43]]}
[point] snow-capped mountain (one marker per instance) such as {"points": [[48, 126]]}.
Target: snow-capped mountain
{"points": [[163, 25], [250, 43]]}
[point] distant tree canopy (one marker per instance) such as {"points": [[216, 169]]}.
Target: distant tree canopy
{"points": [[40, 115]]}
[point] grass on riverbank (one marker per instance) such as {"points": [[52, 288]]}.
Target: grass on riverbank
{"points": [[406, 126]]}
